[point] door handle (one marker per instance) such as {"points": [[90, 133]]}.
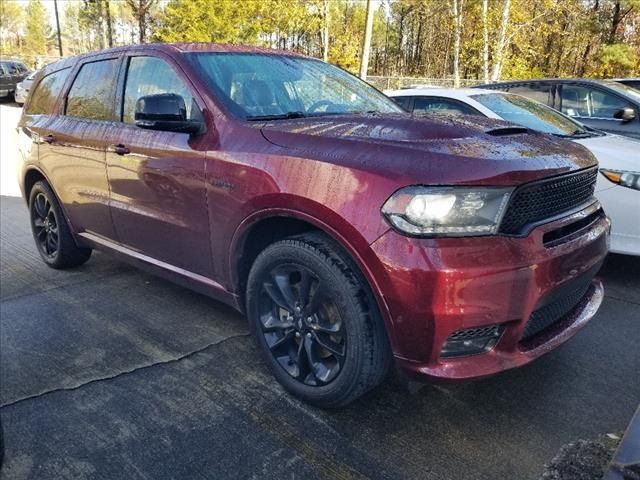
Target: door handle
{"points": [[49, 138], [119, 149]]}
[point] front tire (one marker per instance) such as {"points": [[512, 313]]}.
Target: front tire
{"points": [[51, 231], [316, 321]]}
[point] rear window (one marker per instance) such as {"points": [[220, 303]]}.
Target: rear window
{"points": [[44, 96], [91, 95]]}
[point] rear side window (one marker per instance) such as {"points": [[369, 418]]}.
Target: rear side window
{"points": [[44, 96], [152, 76], [91, 95]]}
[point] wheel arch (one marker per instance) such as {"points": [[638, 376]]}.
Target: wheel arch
{"points": [[268, 226], [31, 176]]}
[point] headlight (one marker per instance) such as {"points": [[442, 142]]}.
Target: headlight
{"points": [[625, 179], [447, 211]]}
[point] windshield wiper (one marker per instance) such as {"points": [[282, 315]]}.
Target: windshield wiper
{"points": [[278, 116], [578, 133]]}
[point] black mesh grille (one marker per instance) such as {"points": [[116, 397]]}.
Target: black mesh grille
{"points": [[544, 317], [531, 203], [481, 332]]}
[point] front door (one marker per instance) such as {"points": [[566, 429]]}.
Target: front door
{"points": [[157, 179], [597, 108]]}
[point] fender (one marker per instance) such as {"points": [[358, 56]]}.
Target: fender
{"points": [[361, 253]]}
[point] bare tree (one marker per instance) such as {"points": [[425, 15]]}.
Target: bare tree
{"points": [[502, 40], [325, 30], [107, 9], [456, 8], [140, 9], [366, 42], [485, 40]]}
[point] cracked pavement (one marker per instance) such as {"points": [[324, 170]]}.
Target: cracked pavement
{"points": [[109, 372]]}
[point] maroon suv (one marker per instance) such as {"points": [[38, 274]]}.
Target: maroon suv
{"points": [[351, 233]]}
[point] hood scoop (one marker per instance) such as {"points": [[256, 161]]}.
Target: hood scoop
{"points": [[504, 131]]}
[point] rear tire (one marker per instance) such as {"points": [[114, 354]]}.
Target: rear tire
{"points": [[316, 321], [51, 231]]}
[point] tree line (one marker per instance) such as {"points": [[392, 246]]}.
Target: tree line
{"points": [[471, 39]]}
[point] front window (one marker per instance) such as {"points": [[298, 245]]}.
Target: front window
{"points": [[152, 76], [259, 86], [530, 114], [579, 101]]}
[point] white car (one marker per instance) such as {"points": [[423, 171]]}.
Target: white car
{"points": [[22, 88], [618, 188]]}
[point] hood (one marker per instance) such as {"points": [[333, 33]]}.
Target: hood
{"points": [[431, 150], [614, 151]]}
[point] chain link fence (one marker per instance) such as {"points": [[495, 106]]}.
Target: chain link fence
{"points": [[394, 83]]}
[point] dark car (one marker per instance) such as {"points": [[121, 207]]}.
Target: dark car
{"points": [[603, 104], [349, 232], [11, 73]]}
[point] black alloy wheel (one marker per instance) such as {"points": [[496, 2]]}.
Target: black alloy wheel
{"points": [[316, 321], [301, 325], [51, 232], [45, 225]]}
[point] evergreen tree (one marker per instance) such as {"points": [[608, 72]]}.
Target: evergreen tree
{"points": [[37, 28]]}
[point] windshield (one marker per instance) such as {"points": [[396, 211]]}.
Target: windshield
{"points": [[530, 114], [630, 92], [259, 86]]}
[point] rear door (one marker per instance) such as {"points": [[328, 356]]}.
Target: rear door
{"points": [[73, 145], [597, 108], [157, 178]]}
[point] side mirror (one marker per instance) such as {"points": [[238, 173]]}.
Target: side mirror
{"points": [[164, 111], [625, 114]]}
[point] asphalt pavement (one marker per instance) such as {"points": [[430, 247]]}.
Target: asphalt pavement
{"points": [[107, 372]]}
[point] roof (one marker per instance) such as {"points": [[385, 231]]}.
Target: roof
{"points": [[437, 92], [581, 80], [181, 47], [189, 47]]}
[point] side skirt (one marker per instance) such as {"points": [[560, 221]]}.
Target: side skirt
{"points": [[186, 278]]}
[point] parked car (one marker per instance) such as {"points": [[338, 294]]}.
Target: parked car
{"points": [[619, 157], [11, 73], [348, 231], [22, 88], [629, 82], [602, 104]]}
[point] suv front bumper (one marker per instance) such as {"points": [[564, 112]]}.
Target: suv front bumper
{"points": [[433, 288]]}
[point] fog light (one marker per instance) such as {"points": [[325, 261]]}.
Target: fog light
{"points": [[471, 341]]}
